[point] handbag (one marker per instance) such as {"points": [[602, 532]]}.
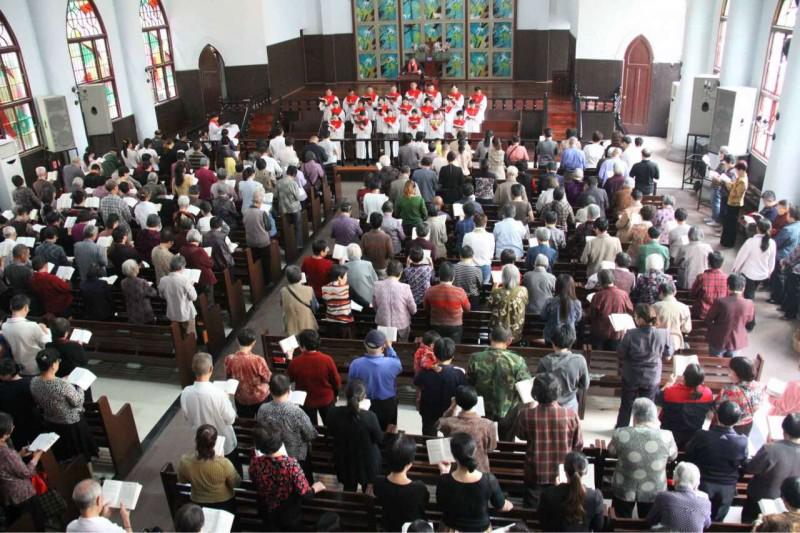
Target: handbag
{"points": [[39, 483]]}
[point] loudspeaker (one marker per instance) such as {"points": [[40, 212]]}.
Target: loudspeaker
{"points": [[95, 109], [733, 119], [10, 165], [54, 123], [704, 98]]}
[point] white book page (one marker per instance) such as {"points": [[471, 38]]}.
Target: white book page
{"points": [[458, 210], [590, 238], [365, 404], [439, 451], [355, 306], [776, 387], [268, 198], [81, 377], [105, 242], [478, 408], [590, 296], [680, 362], [219, 446], [229, 386], [65, 272], [587, 479], [207, 250], [339, 252], [775, 430], [621, 321], [82, 336], [298, 397], [768, 506], [289, 345], [390, 332], [121, 492], [193, 274], [43, 442], [37, 227], [414, 233], [110, 279], [497, 277], [426, 254], [92, 202], [193, 209], [64, 202], [131, 201], [217, 520], [27, 241], [70, 222], [524, 389]]}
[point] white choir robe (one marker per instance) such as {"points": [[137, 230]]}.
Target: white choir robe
{"points": [[214, 131], [458, 101], [391, 148], [394, 101], [403, 120], [482, 108], [348, 108], [436, 99], [473, 123], [363, 149], [458, 127], [449, 116], [434, 129], [326, 110], [413, 129], [337, 135], [417, 101]]}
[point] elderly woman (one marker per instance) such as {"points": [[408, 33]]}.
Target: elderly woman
{"points": [[16, 490], [298, 302], [438, 231], [745, 391], [507, 303], [692, 259], [183, 211], [361, 276], [562, 309], [62, 409], [685, 508], [153, 186], [417, 274], [137, 293], [642, 452], [98, 299], [313, 171], [212, 477], [647, 284]]}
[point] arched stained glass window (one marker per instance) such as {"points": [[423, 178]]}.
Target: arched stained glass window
{"points": [[158, 49], [89, 51], [18, 119]]}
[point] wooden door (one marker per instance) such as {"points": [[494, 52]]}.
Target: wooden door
{"points": [[210, 65], [636, 82]]}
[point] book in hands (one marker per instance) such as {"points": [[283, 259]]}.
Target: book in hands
{"points": [[355, 306], [426, 254], [775, 425], [105, 242], [587, 479], [82, 336], [228, 386], [768, 506], [458, 210], [38, 227], [193, 274], [525, 389], [208, 250], [82, 378], [439, 451], [116, 493], [590, 296], [52, 175], [27, 241], [92, 202], [414, 233], [365, 404], [621, 321], [339, 252], [390, 332], [193, 209], [680, 362], [219, 446], [776, 387], [298, 397], [109, 279], [289, 345], [478, 408], [217, 520], [130, 201], [43, 442], [497, 277], [64, 202], [65, 272]]}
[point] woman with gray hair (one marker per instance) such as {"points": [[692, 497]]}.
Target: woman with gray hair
{"points": [[137, 293], [692, 258], [642, 452], [647, 284], [507, 303], [685, 508]]}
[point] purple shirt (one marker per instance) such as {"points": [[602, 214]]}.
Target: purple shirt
{"points": [[394, 304], [345, 230]]}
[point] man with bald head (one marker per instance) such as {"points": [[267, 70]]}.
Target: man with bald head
{"points": [[88, 498]]}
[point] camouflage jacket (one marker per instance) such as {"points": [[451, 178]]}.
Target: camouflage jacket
{"points": [[493, 373]]}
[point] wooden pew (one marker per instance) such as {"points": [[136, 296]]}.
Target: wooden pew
{"points": [[117, 432], [638, 524]]}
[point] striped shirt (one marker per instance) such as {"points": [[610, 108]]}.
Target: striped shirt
{"points": [[446, 304], [469, 277], [337, 302]]}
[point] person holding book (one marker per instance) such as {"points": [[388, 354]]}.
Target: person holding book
{"points": [[745, 390], [54, 294], [569, 368], [571, 506], [17, 495], [773, 463], [299, 303], [685, 508], [190, 518], [94, 511], [137, 292], [61, 404], [720, 453], [378, 369], [465, 493], [357, 436], [71, 352], [315, 373], [252, 372], [212, 477], [401, 499], [684, 405], [438, 385], [789, 520]]}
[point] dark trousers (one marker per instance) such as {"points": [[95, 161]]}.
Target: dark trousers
{"points": [[297, 221], [323, 413], [624, 509], [629, 394], [750, 287], [386, 411], [429, 426], [233, 457], [532, 495], [792, 291], [453, 332], [605, 344], [263, 255], [776, 286], [730, 222], [750, 510], [247, 411], [721, 497]]}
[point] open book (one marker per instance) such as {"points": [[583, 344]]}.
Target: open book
{"points": [[589, 297], [82, 336], [110, 279], [298, 397], [228, 386], [65, 272], [497, 277], [621, 321], [130, 201], [219, 446], [69, 222], [775, 506], [390, 332], [27, 241], [92, 202], [458, 210], [38, 227], [289, 345], [479, 408], [339, 252], [208, 250], [64, 202], [524, 389], [82, 378], [680, 362], [355, 306], [121, 492], [193, 274], [775, 424], [193, 209], [217, 520], [439, 451], [587, 479], [43, 442], [105, 242]]}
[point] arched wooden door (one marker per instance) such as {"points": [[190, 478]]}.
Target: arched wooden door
{"points": [[636, 82], [212, 75]]}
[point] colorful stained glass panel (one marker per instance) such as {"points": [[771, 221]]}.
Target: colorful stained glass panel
{"points": [[502, 35], [387, 10], [455, 35], [388, 37], [478, 64], [479, 9], [501, 64], [365, 10], [367, 66], [479, 35], [365, 39], [503, 9], [390, 65]]}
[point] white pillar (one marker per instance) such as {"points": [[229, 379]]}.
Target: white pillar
{"points": [[701, 21], [741, 35], [134, 60], [784, 157]]}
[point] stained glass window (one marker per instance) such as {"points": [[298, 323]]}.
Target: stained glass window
{"points": [[491, 38], [377, 44], [435, 28], [88, 50], [158, 49], [773, 77], [17, 119]]}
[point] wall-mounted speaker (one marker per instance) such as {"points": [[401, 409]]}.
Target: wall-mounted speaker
{"points": [[54, 123]]}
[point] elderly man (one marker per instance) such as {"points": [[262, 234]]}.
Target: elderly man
{"points": [[693, 258], [603, 247], [345, 229], [361, 276], [606, 301], [289, 197], [378, 369], [610, 167], [593, 192], [178, 290], [8, 244], [446, 304], [503, 195], [393, 301], [88, 253], [645, 172], [259, 229], [18, 274], [684, 508], [204, 403], [728, 320], [508, 233], [25, 338], [70, 172], [197, 258], [540, 284], [94, 511], [542, 248], [113, 203], [672, 315]]}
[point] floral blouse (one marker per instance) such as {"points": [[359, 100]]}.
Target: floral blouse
{"points": [[15, 477], [642, 454], [507, 308], [418, 277], [277, 479], [748, 395], [60, 402], [138, 292]]}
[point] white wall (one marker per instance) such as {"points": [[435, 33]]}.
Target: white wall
{"points": [[336, 16], [533, 14], [283, 19], [564, 14], [606, 28]]}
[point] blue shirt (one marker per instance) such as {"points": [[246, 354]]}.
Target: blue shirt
{"points": [[788, 239], [608, 164], [572, 159], [379, 372], [508, 235], [545, 250]]}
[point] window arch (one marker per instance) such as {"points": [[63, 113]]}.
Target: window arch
{"points": [[158, 49], [18, 117], [772, 79], [89, 51], [721, 31]]}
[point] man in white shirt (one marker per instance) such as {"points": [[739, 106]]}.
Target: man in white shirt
{"points": [[272, 165], [277, 143], [631, 154], [179, 292], [594, 150], [9, 241], [88, 498], [287, 156], [482, 244], [25, 338], [205, 403]]}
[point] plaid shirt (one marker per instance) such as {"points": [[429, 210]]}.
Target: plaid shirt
{"points": [[707, 288], [563, 211], [115, 204], [605, 302], [551, 432]]}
